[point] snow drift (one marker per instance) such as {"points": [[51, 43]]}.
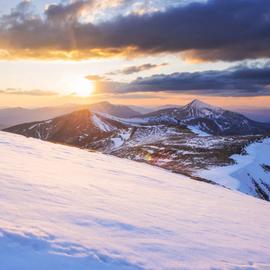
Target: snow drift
{"points": [[250, 174], [68, 209]]}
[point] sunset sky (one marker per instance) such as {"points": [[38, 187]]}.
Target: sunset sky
{"points": [[139, 52]]}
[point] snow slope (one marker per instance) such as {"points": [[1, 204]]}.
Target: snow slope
{"points": [[64, 208], [250, 173], [101, 124]]}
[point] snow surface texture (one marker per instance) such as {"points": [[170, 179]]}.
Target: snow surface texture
{"points": [[196, 129], [64, 208], [247, 168]]}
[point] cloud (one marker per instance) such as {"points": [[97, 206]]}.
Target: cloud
{"points": [[136, 69], [62, 14], [214, 30], [13, 91], [96, 78], [243, 80]]}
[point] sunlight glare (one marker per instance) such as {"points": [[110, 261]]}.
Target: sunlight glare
{"points": [[83, 87]]}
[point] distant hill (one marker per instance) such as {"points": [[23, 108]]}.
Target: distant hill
{"points": [[14, 116], [115, 110]]}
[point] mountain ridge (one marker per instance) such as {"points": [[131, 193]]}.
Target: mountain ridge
{"points": [[210, 119]]}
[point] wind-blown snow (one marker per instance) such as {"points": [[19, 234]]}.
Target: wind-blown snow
{"points": [[64, 208], [247, 169]]}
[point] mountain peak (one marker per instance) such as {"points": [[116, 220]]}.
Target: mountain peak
{"points": [[198, 103], [101, 103]]}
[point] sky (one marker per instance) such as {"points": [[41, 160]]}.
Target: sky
{"points": [[135, 52]]}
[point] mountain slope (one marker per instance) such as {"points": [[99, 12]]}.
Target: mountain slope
{"points": [[77, 128], [64, 208]]}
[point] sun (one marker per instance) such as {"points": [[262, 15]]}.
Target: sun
{"points": [[83, 87]]}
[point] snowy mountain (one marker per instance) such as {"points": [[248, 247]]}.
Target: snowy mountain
{"points": [[97, 131], [210, 119], [64, 208], [77, 128]]}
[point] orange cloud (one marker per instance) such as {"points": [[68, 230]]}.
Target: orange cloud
{"points": [[65, 55]]}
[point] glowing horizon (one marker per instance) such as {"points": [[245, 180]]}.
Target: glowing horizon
{"points": [[47, 52]]}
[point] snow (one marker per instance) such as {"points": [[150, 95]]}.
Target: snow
{"points": [[134, 121], [138, 122], [33, 126], [119, 141], [239, 175], [64, 208], [196, 129], [152, 134], [101, 124]]}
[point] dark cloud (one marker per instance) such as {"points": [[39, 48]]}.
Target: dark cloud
{"points": [[217, 29], [60, 13], [136, 69], [237, 81], [13, 91], [213, 30]]}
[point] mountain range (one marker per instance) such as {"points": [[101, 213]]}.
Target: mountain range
{"points": [[196, 117], [185, 140], [14, 116]]}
